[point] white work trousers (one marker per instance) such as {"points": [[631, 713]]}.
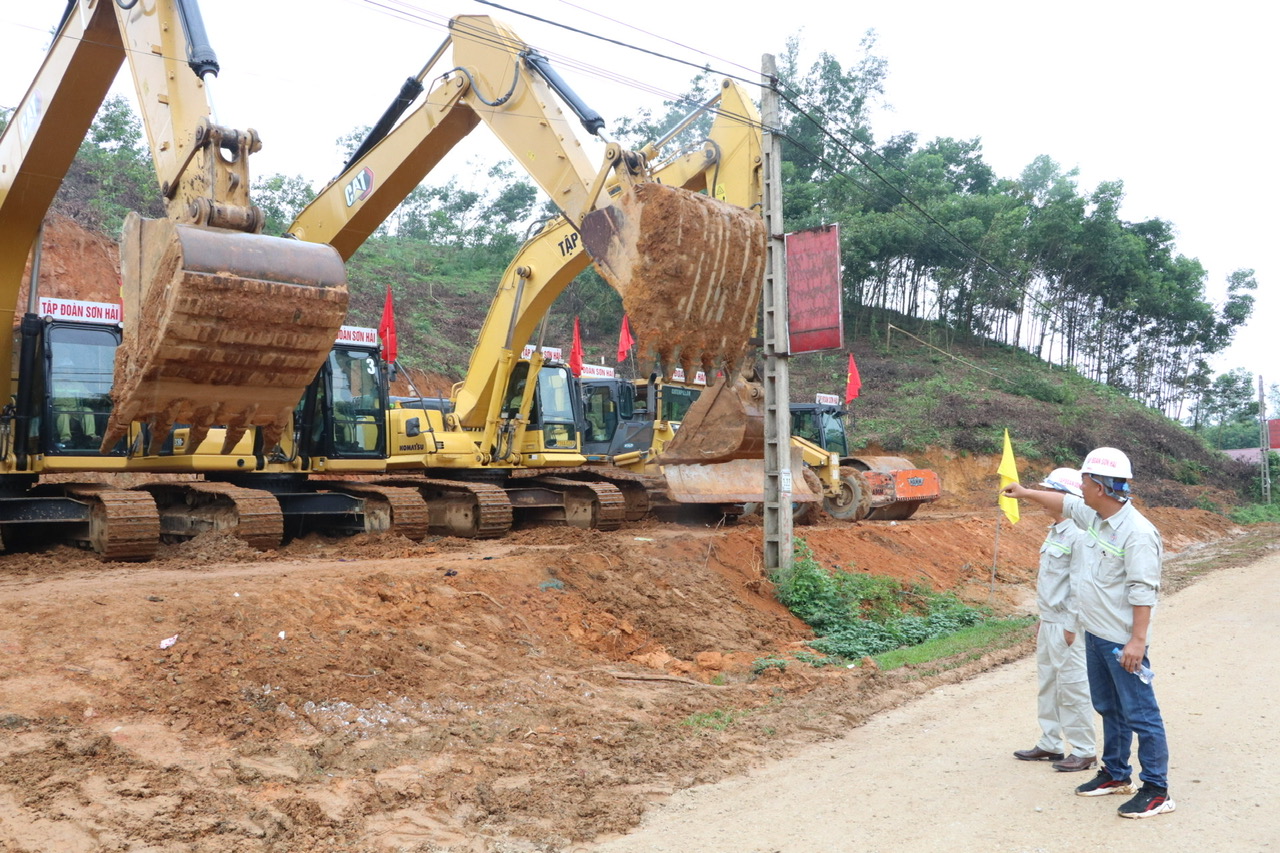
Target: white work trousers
{"points": [[1066, 713]]}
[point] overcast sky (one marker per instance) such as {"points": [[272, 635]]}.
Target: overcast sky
{"points": [[1176, 101]]}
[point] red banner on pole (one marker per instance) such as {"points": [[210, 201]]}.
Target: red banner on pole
{"points": [[813, 290], [625, 340]]}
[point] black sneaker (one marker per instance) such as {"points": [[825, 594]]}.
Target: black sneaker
{"points": [[1103, 784], [1150, 802]]}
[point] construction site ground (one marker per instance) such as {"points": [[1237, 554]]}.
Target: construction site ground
{"points": [[535, 693]]}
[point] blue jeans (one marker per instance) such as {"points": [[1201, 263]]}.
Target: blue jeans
{"points": [[1128, 707]]}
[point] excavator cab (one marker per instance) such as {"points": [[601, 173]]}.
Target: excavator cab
{"points": [[79, 362], [618, 420], [553, 416], [343, 414]]}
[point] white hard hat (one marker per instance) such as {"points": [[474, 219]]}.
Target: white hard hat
{"points": [[1063, 480], [1108, 462]]}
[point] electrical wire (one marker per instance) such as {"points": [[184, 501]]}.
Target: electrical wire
{"points": [[970, 253], [412, 13]]}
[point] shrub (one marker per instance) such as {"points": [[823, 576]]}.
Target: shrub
{"points": [[855, 615]]}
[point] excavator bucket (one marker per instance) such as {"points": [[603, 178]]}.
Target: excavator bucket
{"points": [[717, 455], [222, 328], [690, 269], [725, 423], [736, 481]]}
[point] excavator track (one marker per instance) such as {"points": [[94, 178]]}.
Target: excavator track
{"points": [[590, 505], [392, 509], [124, 525], [638, 490], [460, 508], [188, 509]]}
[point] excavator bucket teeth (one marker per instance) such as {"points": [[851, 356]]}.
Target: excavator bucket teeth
{"points": [[221, 327], [737, 481], [726, 422], [689, 268]]}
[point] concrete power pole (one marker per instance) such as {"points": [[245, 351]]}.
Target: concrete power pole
{"points": [[778, 530], [1265, 444]]}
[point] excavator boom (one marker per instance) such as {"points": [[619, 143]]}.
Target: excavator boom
{"points": [[185, 280], [688, 265]]}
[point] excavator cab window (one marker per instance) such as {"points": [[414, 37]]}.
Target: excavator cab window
{"points": [[515, 391], [603, 411], [835, 439], [358, 420], [676, 401], [640, 401], [80, 363], [824, 427], [557, 412]]}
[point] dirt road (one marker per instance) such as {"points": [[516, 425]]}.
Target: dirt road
{"points": [[937, 774]]}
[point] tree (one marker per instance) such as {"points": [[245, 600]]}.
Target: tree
{"points": [[112, 173], [281, 198], [1228, 410]]}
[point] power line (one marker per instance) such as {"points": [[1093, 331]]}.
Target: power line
{"points": [[402, 8]]}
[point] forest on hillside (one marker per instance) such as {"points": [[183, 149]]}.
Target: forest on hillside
{"points": [[928, 232]]}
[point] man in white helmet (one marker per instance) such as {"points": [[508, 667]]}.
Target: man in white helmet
{"points": [[1117, 599], [1065, 712]]}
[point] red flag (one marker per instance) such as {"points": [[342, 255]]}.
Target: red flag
{"points": [[387, 329], [854, 384], [625, 341], [575, 354]]}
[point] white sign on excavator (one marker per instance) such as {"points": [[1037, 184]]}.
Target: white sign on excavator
{"points": [[827, 400], [86, 312], [699, 378], [357, 335], [548, 353]]}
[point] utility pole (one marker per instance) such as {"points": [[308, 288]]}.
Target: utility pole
{"points": [[1265, 444], [778, 531]]}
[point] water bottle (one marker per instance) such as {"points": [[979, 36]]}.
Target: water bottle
{"points": [[1144, 673]]}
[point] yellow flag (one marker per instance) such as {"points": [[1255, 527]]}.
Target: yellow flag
{"points": [[1008, 472]]}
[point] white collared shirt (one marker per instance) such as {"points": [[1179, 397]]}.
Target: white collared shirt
{"points": [[1062, 567], [1124, 554]]}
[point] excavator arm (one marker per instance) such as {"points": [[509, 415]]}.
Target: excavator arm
{"points": [[687, 264], [727, 166], [223, 326]]}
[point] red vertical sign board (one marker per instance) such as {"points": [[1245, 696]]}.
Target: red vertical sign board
{"points": [[813, 289], [1273, 433]]}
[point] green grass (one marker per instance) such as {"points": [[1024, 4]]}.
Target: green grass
{"points": [[855, 614], [971, 643], [717, 719], [1256, 514]]}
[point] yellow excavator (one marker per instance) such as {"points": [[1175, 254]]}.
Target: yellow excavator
{"points": [[223, 328], [642, 417], [685, 253]]}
